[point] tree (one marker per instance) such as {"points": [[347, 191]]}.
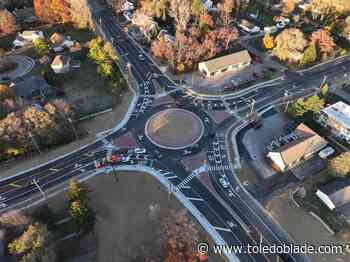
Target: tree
{"points": [[7, 23], [83, 216], [324, 42], [52, 11], [34, 243], [6, 92], [197, 9], [77, 192], [310, 55], [290, 45], [226, 9], [41, 47], [80, 13], [340, 165], [323, 9], [288, 6], [180, 10], [312, 104], [178, 236], [346, 28], [268, 41], [324, 90]]}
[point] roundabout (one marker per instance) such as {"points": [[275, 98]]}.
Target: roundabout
{"points": [[15, 66], [174, 129]]}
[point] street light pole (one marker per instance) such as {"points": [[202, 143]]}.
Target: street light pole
{"points": [[36, 183]]}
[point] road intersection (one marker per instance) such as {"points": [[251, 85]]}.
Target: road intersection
{"points": [[239, 219]]}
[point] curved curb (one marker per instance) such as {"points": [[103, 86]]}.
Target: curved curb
{"points": [[175, 147]]}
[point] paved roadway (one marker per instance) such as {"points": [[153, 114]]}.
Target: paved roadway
{"points": [[244, 221]]}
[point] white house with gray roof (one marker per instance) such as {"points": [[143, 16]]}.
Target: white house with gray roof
{"points": [[336, 117]]}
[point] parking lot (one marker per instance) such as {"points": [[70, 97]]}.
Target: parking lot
{"points": [[256, 140]]}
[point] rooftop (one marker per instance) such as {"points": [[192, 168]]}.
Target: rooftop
{"points": [[225, 61], [339, 111], [307, 142]]}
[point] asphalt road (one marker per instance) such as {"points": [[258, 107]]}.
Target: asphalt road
{"points": [[244, 222]]}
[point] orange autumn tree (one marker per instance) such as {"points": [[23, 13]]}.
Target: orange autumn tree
{"points": [[52, 11]]}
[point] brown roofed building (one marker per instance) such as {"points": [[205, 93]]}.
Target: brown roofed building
{"points": [[232, 62], [292, 154]]}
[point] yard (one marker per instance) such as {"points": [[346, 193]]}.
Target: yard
{"points": [[307, 229], [128, 216]]}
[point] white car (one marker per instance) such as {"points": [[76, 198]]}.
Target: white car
{"points": [[139, 150], [125, 159], [3, 205]]}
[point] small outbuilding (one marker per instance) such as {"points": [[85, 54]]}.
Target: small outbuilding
{"points": [[61, 64], [233, 62]]}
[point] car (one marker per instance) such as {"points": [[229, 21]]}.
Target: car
{"points": [[223, 182], [115, 159], [98, 164], [125, 159], [326, 152], [230, 192], [139, 150], [217, 160], [186, 152], [3, 205], [141, 57], [82, 170]]}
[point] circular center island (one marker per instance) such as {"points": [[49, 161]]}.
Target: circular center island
{"points": [[174, 129]]}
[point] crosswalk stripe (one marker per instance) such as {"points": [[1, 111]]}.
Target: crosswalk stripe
{"points": [[222, 229], [195, 199]]}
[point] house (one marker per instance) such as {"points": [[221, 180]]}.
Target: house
{"points": [[61, 64], [304, 147], [31, 87], [336, 195], [20, 42], [60, 42], [248, 26], [336, 117], [31, 36], [232, 62]]}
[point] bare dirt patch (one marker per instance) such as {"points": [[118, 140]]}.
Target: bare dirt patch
{"points": [[303, 227], [174, 128]]}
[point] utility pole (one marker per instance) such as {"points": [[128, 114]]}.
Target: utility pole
{"points": [[129, 71], [170, 190], [34, 142], [36, 183], [73, 127], [286, 93], [252, 114]]}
